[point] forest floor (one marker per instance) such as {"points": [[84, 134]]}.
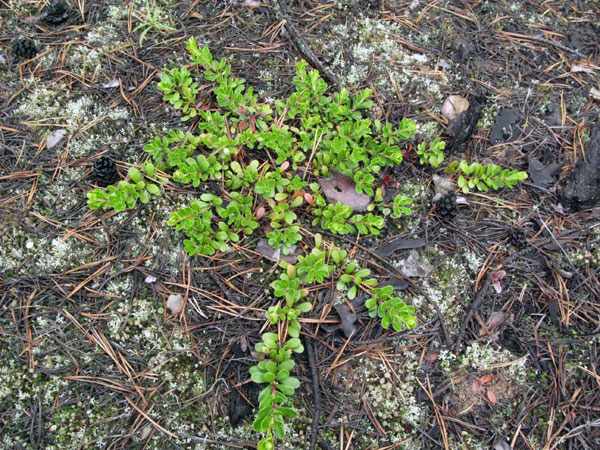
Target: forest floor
{"points": [[506, 349]]}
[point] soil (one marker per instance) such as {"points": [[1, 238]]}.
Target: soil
{"points": [[91, 356]]}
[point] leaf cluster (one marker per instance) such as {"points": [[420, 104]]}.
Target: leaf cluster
{"points": [[392, 310], [432, 155], [127, 193], [484, 177]]}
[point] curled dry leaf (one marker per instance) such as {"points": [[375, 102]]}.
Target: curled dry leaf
{"points": [[309, 198], [251, 4], [341, 188], [583, 67], [175, 303], [55, 137], [496, 277], [443, 185], [112, 83], [454, 106]]}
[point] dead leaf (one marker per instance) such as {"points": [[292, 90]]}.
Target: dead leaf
{"points": [[502, 445], [477, 384], [260, 212], [341, 188], [454, 106], [347, 318], [496, 319], [251, 4], [583, 67], [487, 378], [414, 266], [595, 93], [432, 356], [174, 303], [55, 137], [266, 251], [491, 397], [496, 277], [396, 244], [443, 185], [542, 176], [112, 83], [309, 198]]}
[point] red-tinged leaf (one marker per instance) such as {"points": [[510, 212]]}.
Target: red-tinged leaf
{"points": [[491, 397], [284, 166], [252, 126], [260, 212], [487, 378], [432, 356], [496, 277], [309, 198], [477, 384]]}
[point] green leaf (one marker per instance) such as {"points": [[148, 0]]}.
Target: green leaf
{"points": [[153, 189], [304, 307]]}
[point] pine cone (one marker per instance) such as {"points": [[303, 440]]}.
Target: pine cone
{"points": [[517, 238], [105, 171], [24, 48], [445, 207], [56, 12]]}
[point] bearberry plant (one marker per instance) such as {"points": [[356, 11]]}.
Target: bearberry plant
{"points": [[258, 167]]}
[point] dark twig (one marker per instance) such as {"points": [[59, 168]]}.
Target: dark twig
{"points": [[476, 302], [314, 432]]}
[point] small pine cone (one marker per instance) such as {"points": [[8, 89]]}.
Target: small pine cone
{"points": [[445, 207], [517, 238], [105, 171], [24, 48], [56, 12]]}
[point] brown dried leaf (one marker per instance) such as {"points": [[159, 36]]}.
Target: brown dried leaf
{"points": [[341, 188], [491, 397], [584, 67], [487, 378], [477, 384], [432, 356], [496, 319]]}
